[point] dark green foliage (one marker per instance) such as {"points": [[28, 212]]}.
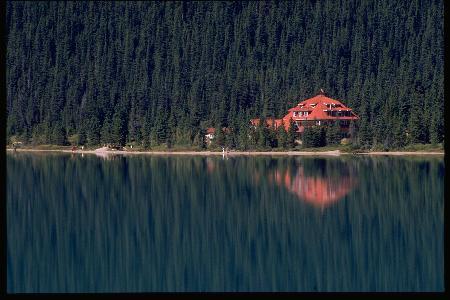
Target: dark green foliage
{"points": [[199, 140], [314, 137], [282, 137], [230, 139], [118, 128], [58, 135], [93, 132], [262, 135], [436, 130], [244, 135], [365, 137], [159, 70], [272, 137], [146, 130], [291, 136], [219, 137], [106, 136], [81, 136], [333, 134]]}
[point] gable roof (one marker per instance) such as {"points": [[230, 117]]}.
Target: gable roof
{"points": [[317, 107]]}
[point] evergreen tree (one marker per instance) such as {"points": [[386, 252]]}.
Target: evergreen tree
{"points": [[58, 135], [333, 133], [118, 129], [106, 136], [199, 140], [291, 135], [146, 130], [314, 136], [282, 137], [219, 136], [93, 132]]}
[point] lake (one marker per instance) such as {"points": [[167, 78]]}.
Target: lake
{"points": [[189, 223]]}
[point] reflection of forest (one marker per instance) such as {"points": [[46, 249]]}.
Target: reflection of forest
{"points": [[189, 224], [320, 190]]}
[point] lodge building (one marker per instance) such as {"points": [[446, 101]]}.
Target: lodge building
{"points": [[319, 110]]}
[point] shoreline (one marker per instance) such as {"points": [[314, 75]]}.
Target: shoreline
{"points": [[233, 153]]}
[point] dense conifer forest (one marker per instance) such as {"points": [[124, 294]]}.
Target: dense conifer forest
{"points": [[157, 74]]}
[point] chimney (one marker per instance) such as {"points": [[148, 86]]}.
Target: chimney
{"points": [[322, 92]]}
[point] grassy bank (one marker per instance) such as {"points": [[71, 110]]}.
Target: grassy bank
{"points": [[439, 148]]}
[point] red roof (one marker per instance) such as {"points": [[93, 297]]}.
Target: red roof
{"points": [[212, 130], [274, 122], [315, 108], [255, 122], [271, 122], [318, 106]]}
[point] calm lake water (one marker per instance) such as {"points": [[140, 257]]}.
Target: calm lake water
{"points": [[183, 223]]}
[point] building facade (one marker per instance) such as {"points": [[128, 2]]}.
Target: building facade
{"points": [[319, 110]]}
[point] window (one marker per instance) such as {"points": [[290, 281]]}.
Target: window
{"points": [[294, 114]]}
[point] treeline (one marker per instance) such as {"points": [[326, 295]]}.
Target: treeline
{"points": [[160, 73]]}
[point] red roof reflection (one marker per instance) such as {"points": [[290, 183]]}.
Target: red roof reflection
{"points": [[320, 191]]}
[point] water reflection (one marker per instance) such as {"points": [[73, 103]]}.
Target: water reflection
{"points": [[321, 184], [105, 155], [320, 190], [151, 224]]}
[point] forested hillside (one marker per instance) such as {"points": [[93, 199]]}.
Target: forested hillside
{"points": [[157, 73]]}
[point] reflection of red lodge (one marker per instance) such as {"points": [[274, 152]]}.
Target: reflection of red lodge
{"points": [[319, 191]]}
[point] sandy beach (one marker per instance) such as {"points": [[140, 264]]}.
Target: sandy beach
{"points": [[103, 152]]}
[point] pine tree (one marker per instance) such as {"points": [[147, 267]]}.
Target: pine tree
{"points": [[106, 136], [282, 137], [291, 135], [118, 128], [333, 133], [58, 135], [93, 132], [146, 130]]}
